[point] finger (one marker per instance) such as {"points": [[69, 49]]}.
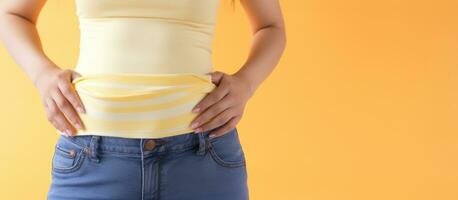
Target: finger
{"points": [[61, 132], [67, 109], [225, 128], [219, 120], [50, 110], [214, 96], [211, 112], [63, 122], [70, 94], [57, 118], [216, 77], [75, 75]]}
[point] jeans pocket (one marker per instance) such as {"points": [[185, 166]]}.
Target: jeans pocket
{"points": [[226, 149], [68, 157]]}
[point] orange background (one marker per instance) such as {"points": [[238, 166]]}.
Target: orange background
{"points": [[363, 104]]}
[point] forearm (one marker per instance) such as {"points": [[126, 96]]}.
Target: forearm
{"points": [[267, 47], [22, 41]]}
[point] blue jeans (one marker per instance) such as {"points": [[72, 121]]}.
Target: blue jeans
{"points": [[190, 166]]}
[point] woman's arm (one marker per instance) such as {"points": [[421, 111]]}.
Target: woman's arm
{"points": [[18, 20], [268, 43], [223, 108], [18, 31]]}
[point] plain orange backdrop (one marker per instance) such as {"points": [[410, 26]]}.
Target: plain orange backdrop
{"points": [[363, 104]]}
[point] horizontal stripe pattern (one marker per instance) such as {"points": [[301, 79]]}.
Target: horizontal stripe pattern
{"points": [[140, 105]]}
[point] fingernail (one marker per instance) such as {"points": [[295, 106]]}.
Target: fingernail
{"points": [[78, 126], [194, 125], [68, 132], [80, 109], [196, 110], [63, 133], [198, 130], [211, 135]]}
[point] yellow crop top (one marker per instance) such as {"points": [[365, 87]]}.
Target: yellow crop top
{"points": [[146, 36], [143, 65]]}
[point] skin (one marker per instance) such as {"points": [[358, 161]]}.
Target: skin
{"points": [[219, 111]]}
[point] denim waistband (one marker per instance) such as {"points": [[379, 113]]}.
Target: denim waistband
{"points": [[97, 144]]}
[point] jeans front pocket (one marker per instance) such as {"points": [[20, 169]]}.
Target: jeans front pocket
{"points": [[68, 157], [226, 149]]}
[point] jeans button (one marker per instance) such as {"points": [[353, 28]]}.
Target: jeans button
{"points": [[149, 145]]}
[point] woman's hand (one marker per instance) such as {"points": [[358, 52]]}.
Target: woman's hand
{"points": [[224, 106], [60, 99]]}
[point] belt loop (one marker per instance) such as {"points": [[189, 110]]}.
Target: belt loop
{"points": [[202, 144], [93, 146]]}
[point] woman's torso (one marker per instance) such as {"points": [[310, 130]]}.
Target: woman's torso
{"points": [[143, 65], [144, 36]]}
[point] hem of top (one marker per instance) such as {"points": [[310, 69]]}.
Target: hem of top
{"points": [[134, 135]]}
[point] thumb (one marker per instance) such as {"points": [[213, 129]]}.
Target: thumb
{"points": [[216, 76], [74, 75]]}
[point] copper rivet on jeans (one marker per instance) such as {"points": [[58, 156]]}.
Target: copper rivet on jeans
{"points": [[150, 144], [86, 150], [72, 152]]}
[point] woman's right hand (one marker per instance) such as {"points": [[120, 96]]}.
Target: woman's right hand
{"points": [[60, 99]]}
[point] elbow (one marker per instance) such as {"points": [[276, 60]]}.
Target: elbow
{"points": [[281, 28], [27, 19], [276, 28], [8, 14], [281, 34]]}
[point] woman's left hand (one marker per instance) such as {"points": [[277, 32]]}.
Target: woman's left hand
{"points": [[223, 107]]}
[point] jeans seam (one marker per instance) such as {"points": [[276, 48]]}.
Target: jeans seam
{"points": [[143, 168], [223, 163], [79, 162]]}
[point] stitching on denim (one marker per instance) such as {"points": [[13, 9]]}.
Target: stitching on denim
{"points": [[72, 140], [120, 154], [104, 150], [217, 158], [143, 168], [175, 155], [79, 161], [135, 155], [177, 151], [222, 136], [223, 163], [157, 180], [62, 151]]}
